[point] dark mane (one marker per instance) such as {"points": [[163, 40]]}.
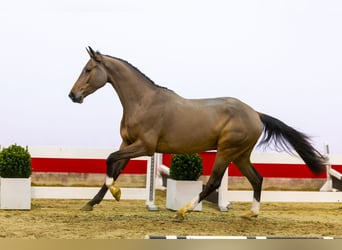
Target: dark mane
{"points": [[138, 71]]}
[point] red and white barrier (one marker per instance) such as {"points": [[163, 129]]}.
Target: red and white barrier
{"points": [[45, 159], [276, 165]]}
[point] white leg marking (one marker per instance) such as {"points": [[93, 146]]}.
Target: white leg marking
{"points": [[255, 206], [193, 203], [109, 181]]}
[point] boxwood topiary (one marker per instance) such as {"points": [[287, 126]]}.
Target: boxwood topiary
{"points": [[15, 162], [186, 167]]}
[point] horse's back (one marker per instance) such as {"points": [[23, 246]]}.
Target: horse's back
{"points": [[194, 125], [233, 111]]}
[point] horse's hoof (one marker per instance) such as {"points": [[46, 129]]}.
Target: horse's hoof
{"points": [[250, 216], [178, 218], [87, 207], [116, 192]]}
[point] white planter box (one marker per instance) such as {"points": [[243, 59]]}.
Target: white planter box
{"points": [[178, 193], [15, 193]]}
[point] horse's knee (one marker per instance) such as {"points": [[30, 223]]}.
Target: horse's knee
{"points": [[110, 159], [114, 167]]}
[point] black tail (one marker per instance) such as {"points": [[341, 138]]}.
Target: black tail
{"points": [[286, 138]]}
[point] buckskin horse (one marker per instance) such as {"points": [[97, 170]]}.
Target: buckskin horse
{"points": [[156, 119]]}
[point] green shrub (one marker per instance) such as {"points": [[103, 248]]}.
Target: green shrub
{"points": [[15, 162], [186, 167]]}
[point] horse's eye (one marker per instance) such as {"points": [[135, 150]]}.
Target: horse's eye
{"points": [[87, 70]]}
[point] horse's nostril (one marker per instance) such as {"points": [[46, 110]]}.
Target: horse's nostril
{"points": [[75, 98], [72, 96]]}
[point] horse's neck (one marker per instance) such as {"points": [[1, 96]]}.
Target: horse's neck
{"points": [[132, 88]]}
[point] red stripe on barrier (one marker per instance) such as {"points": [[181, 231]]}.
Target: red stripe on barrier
{"points": [[83, 165], [274, 170], [279, 171], [139, 167]]}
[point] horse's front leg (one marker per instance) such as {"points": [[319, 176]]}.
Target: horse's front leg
{"points": [[114, 169], [116, 162], [109, 184]]}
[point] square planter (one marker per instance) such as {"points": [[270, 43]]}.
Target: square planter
{"points": [[15, 193], [178, 193]]}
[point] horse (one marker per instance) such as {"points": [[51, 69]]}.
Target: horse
{"points": [[156, 119]]}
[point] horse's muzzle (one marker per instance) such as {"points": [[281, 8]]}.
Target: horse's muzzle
{"points": [[74, 98]]}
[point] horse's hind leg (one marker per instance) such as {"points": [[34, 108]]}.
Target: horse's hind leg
{"points": [[247, 169], [213, 183]]}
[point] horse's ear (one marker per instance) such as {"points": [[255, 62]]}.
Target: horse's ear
{"points": [[94, 55], [90, 51]]}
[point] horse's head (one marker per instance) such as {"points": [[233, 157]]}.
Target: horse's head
{"points": [[93, 77]]}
